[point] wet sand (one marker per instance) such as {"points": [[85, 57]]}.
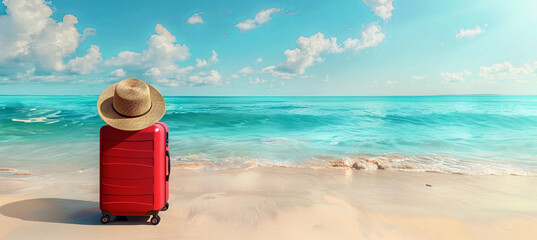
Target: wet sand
{"points": [[283, 203]]}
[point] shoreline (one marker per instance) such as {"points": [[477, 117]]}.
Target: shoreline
{"points": [[287, 203]]}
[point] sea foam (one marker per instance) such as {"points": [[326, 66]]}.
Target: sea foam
{"points": [[389, 162]]}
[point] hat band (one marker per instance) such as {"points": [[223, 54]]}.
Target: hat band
{"points": [[149, 109]]}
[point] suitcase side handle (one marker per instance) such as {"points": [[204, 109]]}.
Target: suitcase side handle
{"points": [[169, 165]]}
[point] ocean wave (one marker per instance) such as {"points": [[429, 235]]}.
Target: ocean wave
{"points": [[36, 115], [390, 162], [30, 120], [279, 141], [36, 120]]}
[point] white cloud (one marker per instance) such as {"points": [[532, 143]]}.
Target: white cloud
{"points": [[205, 63], [168, 82], [172, 73], [51, 78], [309, 50], [154, 72], [496, 72], [371, 37], [23, 22], [26, 75], [185, 70], [246, 70], [327, 78], [196, 18], [391, 82], [162, 51], [118, 73], [125, 58], [456, 77], [158, 60], [260, 18], [469, 33], [259, 60], [171, 76], [212, 77], [506, 71], [88, 32], [418, 77], [29, 76], [87, 63], [55, 42], [381, 8], [275, 71], [93, 81], [257, 81], [234, 76], [31, 38], [306, 54], [6, 80]]}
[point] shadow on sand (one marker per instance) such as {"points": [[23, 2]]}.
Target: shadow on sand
{"points": [[59, 210]]}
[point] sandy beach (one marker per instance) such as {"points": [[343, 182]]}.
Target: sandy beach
{"points": [[284, 203]]}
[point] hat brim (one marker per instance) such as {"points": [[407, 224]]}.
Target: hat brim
{"points": [[111, 117]]}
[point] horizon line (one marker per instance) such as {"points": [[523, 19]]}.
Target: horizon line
{"points": [[432, 95]]}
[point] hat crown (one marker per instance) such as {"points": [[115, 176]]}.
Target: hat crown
{"points": [[132, 97]]}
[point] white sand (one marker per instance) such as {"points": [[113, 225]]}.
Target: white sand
{"points": [[282, 203]]}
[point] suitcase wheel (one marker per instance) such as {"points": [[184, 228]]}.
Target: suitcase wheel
{"points": [[165, 207], [105, 219], [155, 219]]}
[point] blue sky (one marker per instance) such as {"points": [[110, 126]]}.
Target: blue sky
{"points": [[370, 47]]}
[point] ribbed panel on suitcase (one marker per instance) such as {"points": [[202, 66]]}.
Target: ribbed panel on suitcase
{"points": [[127, 176]]}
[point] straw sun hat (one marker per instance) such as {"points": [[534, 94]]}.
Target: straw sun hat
{"points": [[131, 105]]}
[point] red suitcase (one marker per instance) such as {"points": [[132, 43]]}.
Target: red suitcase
{"points": [[134, 172]]}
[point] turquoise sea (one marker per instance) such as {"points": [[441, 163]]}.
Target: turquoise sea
{"points": [[50, 135]]}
